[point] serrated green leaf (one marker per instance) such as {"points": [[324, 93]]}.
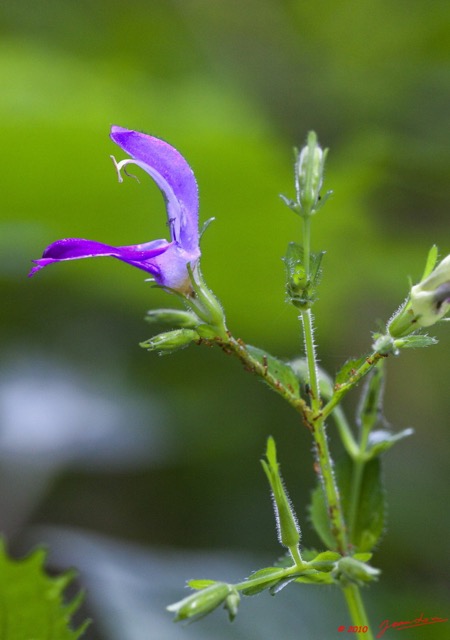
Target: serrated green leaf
{"points": [[381, 440], [280, 370], [32, 603], [370, 510], [348, 370]]}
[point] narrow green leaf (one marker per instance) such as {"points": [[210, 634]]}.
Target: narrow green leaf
{"points": [[371, 508], [325, 561], [315, 577], [319, 518], [262, 580], [200, 584], [370, 407], [415, 342], [280, 585], [32, 603], [280, 370]]}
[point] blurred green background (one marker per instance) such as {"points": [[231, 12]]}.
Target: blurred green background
{"points": [[100, 437]]}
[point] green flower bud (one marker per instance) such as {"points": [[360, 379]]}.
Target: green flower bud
{"points": [[430, 299], [287, 526], [309, 174], [201, 602], [170, 341], [428, 302], [174, 317], [232, 602]]}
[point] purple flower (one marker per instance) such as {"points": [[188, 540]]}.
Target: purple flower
{"points": [[166, 261]]}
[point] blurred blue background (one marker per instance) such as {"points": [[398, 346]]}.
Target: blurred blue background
{"points": [[143, 471]]}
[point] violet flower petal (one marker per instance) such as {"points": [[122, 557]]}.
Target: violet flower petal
{"points": [[166, 261], [139, 255], [173, 176]]}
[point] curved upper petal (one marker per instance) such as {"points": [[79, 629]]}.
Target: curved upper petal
{"points": [[173, 176]]}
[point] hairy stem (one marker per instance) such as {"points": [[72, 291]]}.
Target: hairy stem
{"points": [[317, 425], [238, 348], [342, 389]]}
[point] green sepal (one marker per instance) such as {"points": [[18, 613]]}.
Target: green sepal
{"points": [[382, 440], [370, 511], [300, 288], [280, 370], [32, 603], [432, 258]]}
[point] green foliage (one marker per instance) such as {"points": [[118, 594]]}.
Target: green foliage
{"points": [[348, 369], [370, 508], [31, 602], [263, 579], [280, 370], [416, 341], [370, 406]]}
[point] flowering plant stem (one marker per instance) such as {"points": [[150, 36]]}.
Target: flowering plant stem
{"points": [[317, 425]]}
